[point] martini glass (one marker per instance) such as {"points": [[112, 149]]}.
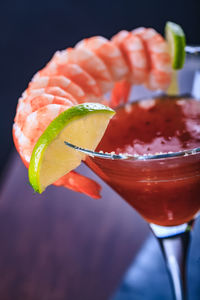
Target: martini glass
{"points": [[163, 188]]}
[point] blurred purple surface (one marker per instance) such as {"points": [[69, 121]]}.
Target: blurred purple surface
{"points": [[61, 244]]}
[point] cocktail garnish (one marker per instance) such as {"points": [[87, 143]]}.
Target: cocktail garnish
{"points": [[176, 40], [84, 124]]}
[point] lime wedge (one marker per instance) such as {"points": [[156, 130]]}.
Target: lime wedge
{"points": [[82, 125], [176, 39]]}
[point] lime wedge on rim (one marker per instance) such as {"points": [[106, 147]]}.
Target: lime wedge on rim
{"points": [[82, 125], [176, 39]]}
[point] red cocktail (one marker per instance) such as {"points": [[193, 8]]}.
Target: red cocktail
{"points": [[165, 191]]}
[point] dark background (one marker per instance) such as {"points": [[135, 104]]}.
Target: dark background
{"points": [[31, 31]]}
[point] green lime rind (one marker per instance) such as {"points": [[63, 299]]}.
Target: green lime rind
{"points": [[51, 133], [176, 40]]}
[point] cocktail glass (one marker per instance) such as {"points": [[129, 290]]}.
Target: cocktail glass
{"points": [[163, 188]]}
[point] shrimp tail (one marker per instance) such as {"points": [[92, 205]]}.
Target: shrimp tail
{"points": [[79, 183], [120, 93]]}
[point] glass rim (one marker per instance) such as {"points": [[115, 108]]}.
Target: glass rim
{"points": [[135, 157], [165, 155]]}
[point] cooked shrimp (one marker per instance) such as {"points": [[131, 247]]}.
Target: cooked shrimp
{"points": [[80, 183], [60, 81], [84, 74], [109, 53], [92, 64], [120, 93], [88, 61], [54, 90], [34, 125], [75, 73], [159, 59], [134, 52], [148, 58], [30, 104]]}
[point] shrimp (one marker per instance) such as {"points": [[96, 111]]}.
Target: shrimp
{"points": [[134, 51], [109, 53], [32, 103], [34, 125], [92, 64], [55, 91], [159, 76], [60, 81], [148, 58], [85, 73], [88, 61], [120, 93], [80, 183], [75, 73]]}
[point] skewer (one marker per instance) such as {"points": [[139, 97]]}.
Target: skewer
{"points": [[96, 154]]}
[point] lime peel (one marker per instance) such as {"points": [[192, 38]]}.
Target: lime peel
{"points": [[176, 40]]}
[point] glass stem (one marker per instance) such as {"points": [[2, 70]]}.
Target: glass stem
{"points": [[175, 250], [174, 242]]}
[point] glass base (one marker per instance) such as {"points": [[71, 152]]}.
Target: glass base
{"points": [[167, 232], [147, 277]]}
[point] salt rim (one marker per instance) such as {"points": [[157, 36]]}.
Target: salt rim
{"points": [[125, 156], [169, 153]]}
